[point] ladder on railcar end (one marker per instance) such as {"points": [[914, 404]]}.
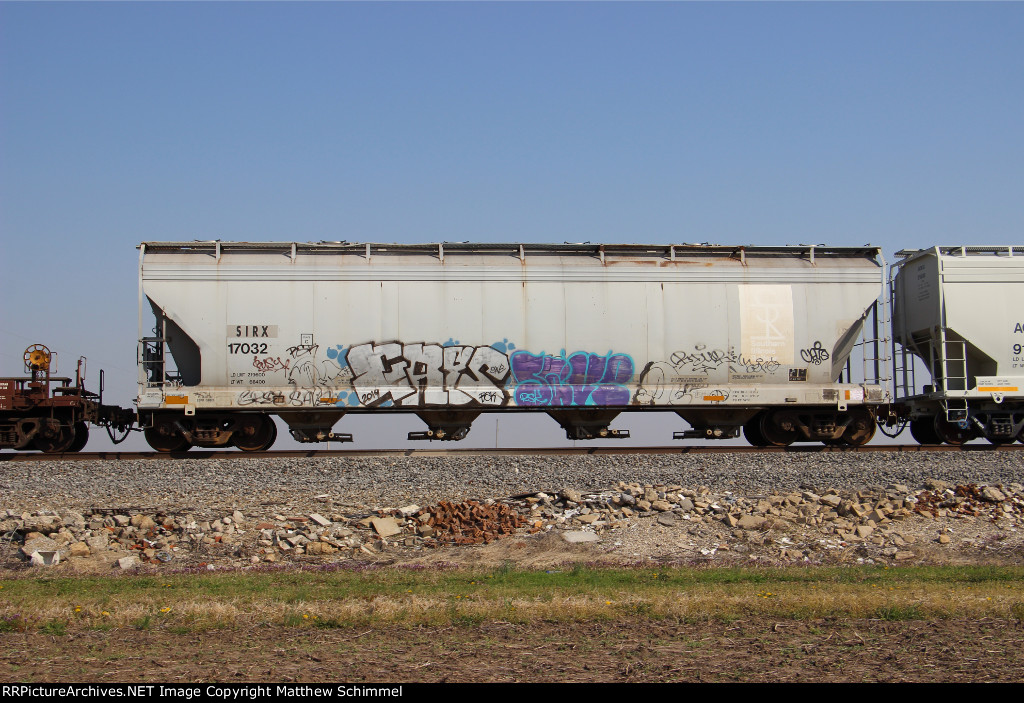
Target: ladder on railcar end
{"points": [[954, 377], [904, 378], [904, 371], [876, 355], [153, 360]]}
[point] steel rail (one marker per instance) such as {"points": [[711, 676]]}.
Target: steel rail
{"points": [[541, 451]]}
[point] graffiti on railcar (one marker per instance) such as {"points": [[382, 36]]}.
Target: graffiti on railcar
{"points": [[246, 398], [303, 350], [270, 364], [577, 379], [312, 396], [688, 374], [702, 360], [659, 385], [422, 374], [314, 382], [814, 354], [306, 372]]}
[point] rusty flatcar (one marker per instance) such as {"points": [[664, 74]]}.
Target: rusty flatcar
{"points": [[52, 414]]}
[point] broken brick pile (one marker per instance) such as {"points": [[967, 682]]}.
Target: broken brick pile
{"points": [[472, 522], [968, 499]]}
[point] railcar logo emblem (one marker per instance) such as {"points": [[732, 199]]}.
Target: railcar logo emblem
{"points": [[766, 319]]}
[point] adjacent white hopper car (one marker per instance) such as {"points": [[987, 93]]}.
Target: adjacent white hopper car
{"points": [[755, 340], [958, 310]]}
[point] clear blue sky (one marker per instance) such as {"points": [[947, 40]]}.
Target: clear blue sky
{"points": [[900, 125]]}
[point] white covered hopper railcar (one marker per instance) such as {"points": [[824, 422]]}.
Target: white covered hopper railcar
{"points": [[730, 338], [958, 309]]}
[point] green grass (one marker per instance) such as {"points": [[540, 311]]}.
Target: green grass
{"points": [[56, 628], [143, 623], [466, 597], [899, 612]]}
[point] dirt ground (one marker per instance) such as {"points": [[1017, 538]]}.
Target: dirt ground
{"points": [[752, 650]]}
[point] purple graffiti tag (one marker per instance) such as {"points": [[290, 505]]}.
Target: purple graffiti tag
{"points": [[581, 378]]}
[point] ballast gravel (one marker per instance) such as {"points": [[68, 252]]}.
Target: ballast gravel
{"points": [[958, 507], [213, 484]]}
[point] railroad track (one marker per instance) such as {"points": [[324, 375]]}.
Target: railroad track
{"points": [[553, 451]]}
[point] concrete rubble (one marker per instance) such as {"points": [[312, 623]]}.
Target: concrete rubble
{"points": [[799, 525]]}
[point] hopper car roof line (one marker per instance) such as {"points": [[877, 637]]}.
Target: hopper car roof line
{"points": [[993, 250], [512, 248], [165, 272]]}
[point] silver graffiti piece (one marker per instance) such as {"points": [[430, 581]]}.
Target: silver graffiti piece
{"points": [[418, 375]]}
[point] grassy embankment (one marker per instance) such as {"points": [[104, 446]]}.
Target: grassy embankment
{"points": [[407, 597]]}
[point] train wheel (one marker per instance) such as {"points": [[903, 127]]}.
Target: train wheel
{"points": [[256, 433], [165, 437], [752, 432], [81, 437], [777, 431], [950, 432], [861, 429], [61, 442], [923, 431]]}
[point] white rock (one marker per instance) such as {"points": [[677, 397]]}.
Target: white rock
{"points": [[128, 562], [45, 558], [578, 536]]}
